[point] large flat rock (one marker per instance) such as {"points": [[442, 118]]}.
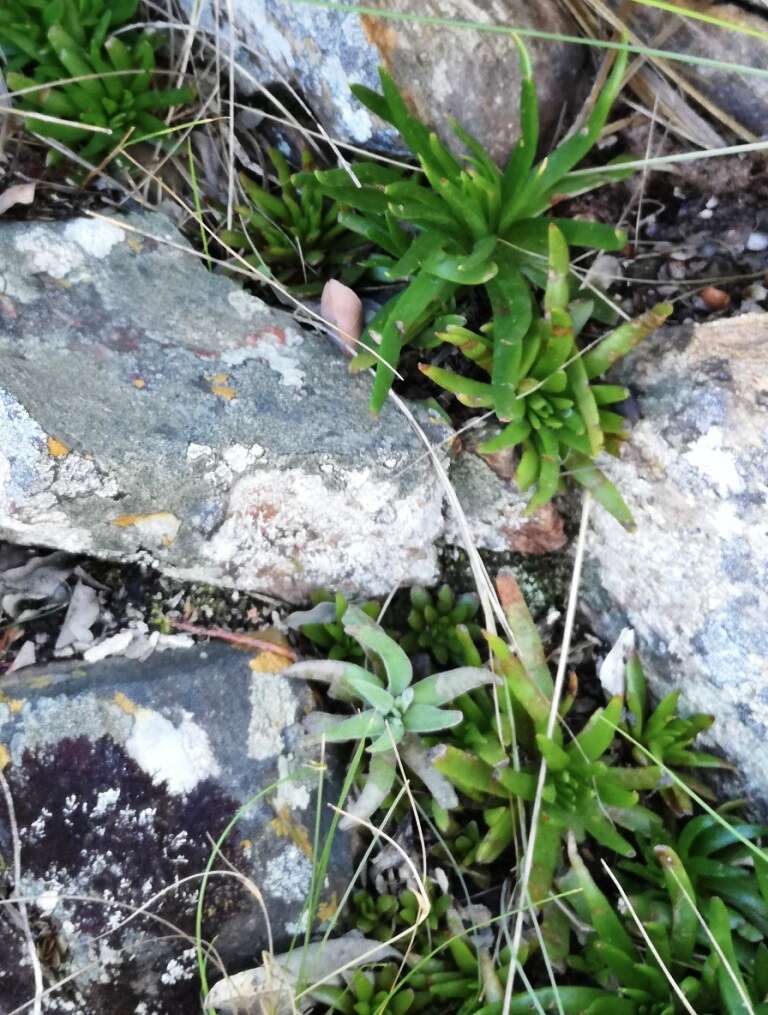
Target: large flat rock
{"points": [[444, 65], [149, 405], [151, 408], [693, 579], [122, 776]]}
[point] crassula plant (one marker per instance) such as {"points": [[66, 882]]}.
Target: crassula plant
{"points": [[394, 713]]}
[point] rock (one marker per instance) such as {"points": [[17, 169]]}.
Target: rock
{"points": [[693, 579], [122, 774], [149, 406], [443, 71], [742, 97], [152, 410], [495, 510]]}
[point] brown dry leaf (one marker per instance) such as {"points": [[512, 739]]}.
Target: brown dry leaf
{"points": [[19, 193], [342, 307]]}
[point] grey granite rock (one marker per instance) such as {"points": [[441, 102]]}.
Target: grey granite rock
{"points": [[149, 405], [444, 71], [122, 774], [693, 579], [151, 408]]}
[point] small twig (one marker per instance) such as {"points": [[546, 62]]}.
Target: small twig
{"points": [[250, 640]]}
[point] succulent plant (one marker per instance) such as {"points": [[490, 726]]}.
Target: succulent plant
{"points": [[293, 233], [24, 25], [397, 715], [458, 224], [124, 103], [559, 412], [668, 738], [727, 980], [323, 626], [440, 623]]}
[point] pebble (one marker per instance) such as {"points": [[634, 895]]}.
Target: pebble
{"points": [[714, 298], [757, 241]]}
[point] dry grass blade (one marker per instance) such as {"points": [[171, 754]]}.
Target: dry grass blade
{"points": [[34, 961], [419, 892], [661, 59]]}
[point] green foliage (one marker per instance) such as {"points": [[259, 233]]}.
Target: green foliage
{"points": [[24, 25], [398, 713], [69, 40], [293, 232], [559, 411], [323, 626], [712, 973], [440, 624], [667, 737], [467, 223], [397, 708], [718, 861], [699, 888]]}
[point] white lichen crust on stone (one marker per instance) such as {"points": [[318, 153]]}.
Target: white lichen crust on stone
{"points": [[693, 579]]}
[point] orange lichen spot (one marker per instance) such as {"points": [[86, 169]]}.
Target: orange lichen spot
{"points": [[15, 705], [57, 448], [246, 844], [160, 526], [268, 662], [135, 243], [137, 382], [327, 909], [221, 387], [287, 827], [5, 757], [124, 703]]}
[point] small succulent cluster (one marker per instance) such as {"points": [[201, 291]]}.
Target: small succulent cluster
{"points": [[109, 77], [396, 713], [323, 625], [559, 411], [292, 232], [601, 792], [664, 736], [442, 624], [458, 224]]}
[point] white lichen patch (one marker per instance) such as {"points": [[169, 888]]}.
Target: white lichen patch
{"points": [[179, 756], [295, 530], [49, 720], [288, 875], [245, 306], [46, 251], [277, 349], [94, 236], [274, 707], [708, 456], [292, 792]]}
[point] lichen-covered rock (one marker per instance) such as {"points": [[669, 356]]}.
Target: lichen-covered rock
{"points": [[443, 70], [744, 97], [122, 775], [693, 579], [495, 510], [149, 405]]}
